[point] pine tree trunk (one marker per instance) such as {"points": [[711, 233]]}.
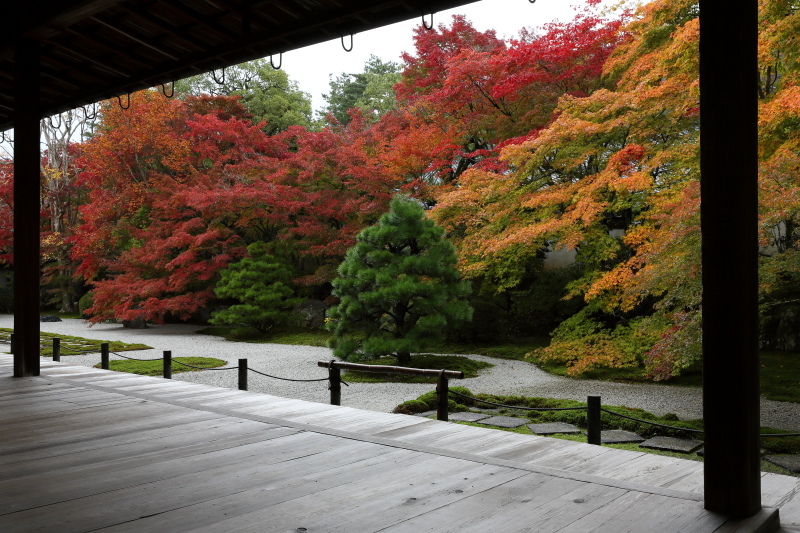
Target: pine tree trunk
{"points": [[403, 358]]}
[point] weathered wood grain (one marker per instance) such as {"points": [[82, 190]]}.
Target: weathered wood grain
{"points": [[87, 450]]}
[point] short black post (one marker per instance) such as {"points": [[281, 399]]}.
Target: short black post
{"points": [[11, 343], [104, 356], [56, 349], [335, 379], [441, 397], [593, 419], [167, 364], [242, 374]]}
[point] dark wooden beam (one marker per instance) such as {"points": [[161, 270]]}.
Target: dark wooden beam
{"points": [[729, 219], [26, 208]]}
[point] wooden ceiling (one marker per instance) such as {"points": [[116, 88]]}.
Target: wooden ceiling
{"points": [[97, 49]]}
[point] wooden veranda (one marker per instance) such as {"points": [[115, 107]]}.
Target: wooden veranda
{"points": [[87, 449], [59, 54]]}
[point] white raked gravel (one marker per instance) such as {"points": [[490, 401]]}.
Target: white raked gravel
{"points": [[507, 377]]}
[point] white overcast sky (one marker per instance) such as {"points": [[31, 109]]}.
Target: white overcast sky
{"points": [[312, 66]]}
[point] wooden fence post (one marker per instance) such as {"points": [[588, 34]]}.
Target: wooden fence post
{"points": [[593, 420], [11, 343], [104, 359], [335, 379], [441, 397], [242, 374], [167, 364], [56, 349]]}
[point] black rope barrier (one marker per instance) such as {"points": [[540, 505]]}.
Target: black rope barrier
{"points": [[201, 368], [289, 379], [74, 351], [519, 406], [652, 423], [135, 359], [780, 435]]}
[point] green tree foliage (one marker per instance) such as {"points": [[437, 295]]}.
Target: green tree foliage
{"points": [[372, 91], [260, 282], [268, 94], [398, 286]]}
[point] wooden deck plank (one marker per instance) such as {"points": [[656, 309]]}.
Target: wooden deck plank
{"points": [[137, 453], [123, 505], [122, 446], [339, 508], [662, 514], [20, 438], [291, 482], [68, 484], [531, 492]]}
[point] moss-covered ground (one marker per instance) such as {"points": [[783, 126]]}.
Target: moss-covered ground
{"points": [[521, 407], [156, 367]]}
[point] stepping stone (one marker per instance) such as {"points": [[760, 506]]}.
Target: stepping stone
{"points": [[671, 444], [789, 462], [425, 413], [619, 436], [553, 427], [503, 421], [467, 417]]}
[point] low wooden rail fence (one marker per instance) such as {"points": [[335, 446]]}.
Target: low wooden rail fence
{"points": [[335, 379], [593, 407]]}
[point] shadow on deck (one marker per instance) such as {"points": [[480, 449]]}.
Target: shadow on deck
{"points": [[86, 449]]}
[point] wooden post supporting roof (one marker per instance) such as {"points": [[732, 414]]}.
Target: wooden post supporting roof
{"points": [[26, 208], [729, 219]]}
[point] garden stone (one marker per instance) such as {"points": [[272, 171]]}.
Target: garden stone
{"points": [[789, 462], [138, 323], [552, 428], [310, 313], [672, 444], [425, 414], [619, 436], [49, 318], [503, 421], [467, 417]]}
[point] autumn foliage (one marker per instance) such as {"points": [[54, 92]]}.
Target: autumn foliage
{"points": [[578, 139]]}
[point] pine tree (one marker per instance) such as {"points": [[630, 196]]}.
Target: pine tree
{"points": [[398, 287], [260, 283]]}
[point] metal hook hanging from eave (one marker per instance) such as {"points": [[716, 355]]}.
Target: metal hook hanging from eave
{"points": [[280, 61], [430, 27], [60, 121], [86, 114], [164, 90], [351, 43], [119, 98], [214, 77]]}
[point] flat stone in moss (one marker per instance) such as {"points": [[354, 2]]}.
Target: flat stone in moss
{"points": [[671, 444], [467, 417], [503, 421], [619, 436], [789, 462], [553, 427]]}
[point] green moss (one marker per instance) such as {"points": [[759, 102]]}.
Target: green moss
{"points": [[470, 367], [771, 445], [293, 336], [156, 368], [74, 345]]}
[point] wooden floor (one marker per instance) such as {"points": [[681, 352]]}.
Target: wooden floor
{"points": [[90, 450]]}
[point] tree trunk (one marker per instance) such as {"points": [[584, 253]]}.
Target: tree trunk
{"points": [[403, 358]]}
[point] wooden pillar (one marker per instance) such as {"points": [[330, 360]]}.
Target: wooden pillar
{"points": [[26, 208], [729, 218]]}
